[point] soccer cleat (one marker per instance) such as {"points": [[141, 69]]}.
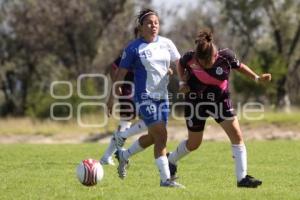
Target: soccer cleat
{"points": [[107, 161], [123, 164], [171, 183], [173, 169], [249, 182], [119, 141]]}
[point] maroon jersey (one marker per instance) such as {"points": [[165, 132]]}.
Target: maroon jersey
{"points": [[208, 85], [213, 80]]}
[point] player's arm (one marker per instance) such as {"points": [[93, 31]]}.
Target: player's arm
{"points": [[244, 69], [180, 72], [183, 87], [172, 68], [120, 75], [113, 72]]}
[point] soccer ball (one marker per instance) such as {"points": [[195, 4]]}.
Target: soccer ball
{"points": [[89, 172]]}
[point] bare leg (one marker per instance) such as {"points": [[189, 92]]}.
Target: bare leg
{"points": [[185, 147], [232, 129]]}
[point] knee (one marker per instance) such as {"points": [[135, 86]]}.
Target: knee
{"points": [[146, 141], [192, 145]]}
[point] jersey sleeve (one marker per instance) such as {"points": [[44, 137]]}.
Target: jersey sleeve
{"points": [[128, 58], [231, 57], [175, 55]]}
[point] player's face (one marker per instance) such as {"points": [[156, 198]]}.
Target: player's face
{"points": [[150, 26]]}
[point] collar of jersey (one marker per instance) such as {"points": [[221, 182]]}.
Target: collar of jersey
{"points": [[155, 40]]}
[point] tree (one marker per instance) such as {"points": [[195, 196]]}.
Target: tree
{"points": [[255, 22], [48, 40]]}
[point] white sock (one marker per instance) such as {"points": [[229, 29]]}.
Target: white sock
{"points": [[136, 128], [163, 167], [179, 153], [123, 125], [133, 149], [240, 158], [110, 150]]}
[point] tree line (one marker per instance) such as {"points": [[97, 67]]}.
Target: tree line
{"points": [[42, 41]]}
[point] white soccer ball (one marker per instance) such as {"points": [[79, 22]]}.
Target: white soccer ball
{"points": [[89, 172]]}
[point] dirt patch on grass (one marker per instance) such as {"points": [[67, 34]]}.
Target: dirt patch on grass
{"points": [[176, 133]]}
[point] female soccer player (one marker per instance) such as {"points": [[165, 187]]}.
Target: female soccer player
{"points": [[127, 114], [149, 57], [203, 75]]}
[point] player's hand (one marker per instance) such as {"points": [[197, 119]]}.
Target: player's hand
{"points": [[184, 88], [265, 78], [170, 71]]}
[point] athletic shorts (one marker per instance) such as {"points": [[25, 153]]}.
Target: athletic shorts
{"points": [[153, 111], [197, 112]]}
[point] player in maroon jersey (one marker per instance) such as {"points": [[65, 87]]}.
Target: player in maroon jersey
{"points": [[204, 75]]}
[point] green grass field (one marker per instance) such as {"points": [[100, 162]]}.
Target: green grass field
{"points": [[27, 126], [30, 171]]}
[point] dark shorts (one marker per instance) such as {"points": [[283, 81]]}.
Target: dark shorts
{"points": [[198, 110], [127, 109], [127, 105]]}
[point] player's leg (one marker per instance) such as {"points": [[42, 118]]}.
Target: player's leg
{"points": [[136, 128], [232, 129], [107, 156], [124, 154], [158, 130], [186, 146], [159, 133], [155, 116], [195, 123], [138, 146], [127, 113]]}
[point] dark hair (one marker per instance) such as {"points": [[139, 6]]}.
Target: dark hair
{"points": [[204, 42], [143, 13], [136, 32]]}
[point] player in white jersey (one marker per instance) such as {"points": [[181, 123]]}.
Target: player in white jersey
{"points": [[149, 58], [127, 113]]}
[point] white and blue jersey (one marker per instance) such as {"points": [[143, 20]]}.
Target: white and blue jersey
{"points": [[150, 63]]}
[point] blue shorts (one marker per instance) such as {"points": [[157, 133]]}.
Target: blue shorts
{"points": [[153, 111]]}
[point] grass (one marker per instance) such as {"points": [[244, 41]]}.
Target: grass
{"points": [[27, 126], [48, 172], [48, 127], [277, 118]]}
